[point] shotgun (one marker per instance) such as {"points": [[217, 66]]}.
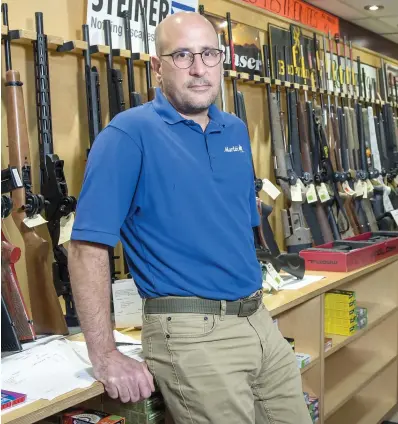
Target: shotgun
{"points": [[151, 91], [10, 289], [114, 77], [92, 92], [58, 204], [45, 307], [134, 96]]}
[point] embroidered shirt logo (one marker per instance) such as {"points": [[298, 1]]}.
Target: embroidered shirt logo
{"points": [[234, 149]]}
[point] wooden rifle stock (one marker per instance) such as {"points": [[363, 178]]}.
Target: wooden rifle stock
{"points": [[46, 309], [307, 168]]}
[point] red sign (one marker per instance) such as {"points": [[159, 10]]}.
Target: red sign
{"points": [[302, 12]]}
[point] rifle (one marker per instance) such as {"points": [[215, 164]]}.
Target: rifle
{"points": [[92, 92], [114, 77], [58, 204], [45, 307], [266, 248], [150, 90], [307, 138], [134, 96], [297, 235], [10, 289]]}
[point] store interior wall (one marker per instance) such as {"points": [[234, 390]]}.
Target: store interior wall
{"points": [[64, 18]]}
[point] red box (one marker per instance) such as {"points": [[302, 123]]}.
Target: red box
{"points": [[348, 261], [84, 416]]}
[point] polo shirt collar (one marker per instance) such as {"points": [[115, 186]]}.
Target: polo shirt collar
{"points": [[170, 115]]}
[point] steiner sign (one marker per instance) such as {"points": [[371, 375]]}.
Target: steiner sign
{"points": [[156, 11], [302, 12]]}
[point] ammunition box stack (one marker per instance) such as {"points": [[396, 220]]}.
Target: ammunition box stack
{"points": [[362, 317], [340, 312], [149, 411]]}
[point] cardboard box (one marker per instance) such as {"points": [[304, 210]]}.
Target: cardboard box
{"points": [[84, 416], [328, 343]]}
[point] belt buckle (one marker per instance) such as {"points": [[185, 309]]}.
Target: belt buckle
{"points": [[248, 306]]}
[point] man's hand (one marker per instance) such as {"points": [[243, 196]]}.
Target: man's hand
{"points": [[123, 377]]}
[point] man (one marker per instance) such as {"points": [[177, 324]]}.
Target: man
{"points": [[173, 179]]}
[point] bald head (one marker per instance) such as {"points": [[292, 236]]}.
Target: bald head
{"points": [[179, 23]]}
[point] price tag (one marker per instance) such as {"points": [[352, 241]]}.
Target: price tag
{"points": [[311, 194], [35, 221], [17, 177], [358, 188], [347, 189], [394, 214], [388, 207], [323, 192], [295, 191], [270, 189], [272, 277], [66, 228]]}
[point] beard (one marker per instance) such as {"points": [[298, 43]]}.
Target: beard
{"points": [[188, 102]]}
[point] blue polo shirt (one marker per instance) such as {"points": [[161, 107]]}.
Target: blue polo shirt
{"points": [[181, 201]]}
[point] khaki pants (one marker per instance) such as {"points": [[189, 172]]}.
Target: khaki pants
{"points": [[224, 369]]}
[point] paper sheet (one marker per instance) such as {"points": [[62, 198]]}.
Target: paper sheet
{"points": [[46, 371], [127, 304], [292, 283], [124, 338]]}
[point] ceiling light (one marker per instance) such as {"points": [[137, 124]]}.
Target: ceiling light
{"points": [[374, 7]]}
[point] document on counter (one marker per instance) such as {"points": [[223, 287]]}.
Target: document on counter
{"points": [[127, 304], [292, 283], [45, 371]]}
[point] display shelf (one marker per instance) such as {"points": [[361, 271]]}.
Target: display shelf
{"points": [[303, 324], [377, 313], [373, 403], [349, 371], [254, 79], [25, 36]]}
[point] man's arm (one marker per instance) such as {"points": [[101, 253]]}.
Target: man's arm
{"points": [[122, 377], [110, 182]]}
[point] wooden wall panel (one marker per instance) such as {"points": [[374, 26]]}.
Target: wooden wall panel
{"points": [[65, 18]]}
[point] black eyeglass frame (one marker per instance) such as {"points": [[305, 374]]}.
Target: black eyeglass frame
{"points": [[193, 57]]}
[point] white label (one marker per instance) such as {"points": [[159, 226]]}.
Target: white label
{"points": [[127, 304], [270, 189], [296, 192], [17, 177], [358, 188], [388, 207], [394, 214], [323, 192], [272, 277], [97, 11], [35, 221], [66, 228], [347, 189], [311, 194]]}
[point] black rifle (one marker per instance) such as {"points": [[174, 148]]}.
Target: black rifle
{"points": [[114, 77], [150, 90], [58, 203], [289, 262], [92, 92], [134, 96]]}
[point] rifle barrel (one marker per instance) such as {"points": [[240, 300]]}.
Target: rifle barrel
{"points": [[7, 49]]}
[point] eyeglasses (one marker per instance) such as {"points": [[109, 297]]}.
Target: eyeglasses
{"points": [[184, 59]]}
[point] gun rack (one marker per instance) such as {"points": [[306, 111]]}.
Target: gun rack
{"points": [[58, 44]]}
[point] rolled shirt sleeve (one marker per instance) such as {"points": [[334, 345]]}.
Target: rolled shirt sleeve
{"points": [[110, 181]]}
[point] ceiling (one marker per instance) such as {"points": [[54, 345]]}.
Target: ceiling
{"points": [[383, 22]]}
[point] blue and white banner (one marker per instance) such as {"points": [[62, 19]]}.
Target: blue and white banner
{"points": [[156, 11]]}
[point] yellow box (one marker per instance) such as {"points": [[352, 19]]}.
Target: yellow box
{"points": [[342, 322], [342, 331], [336, 313], [341, 306]]}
